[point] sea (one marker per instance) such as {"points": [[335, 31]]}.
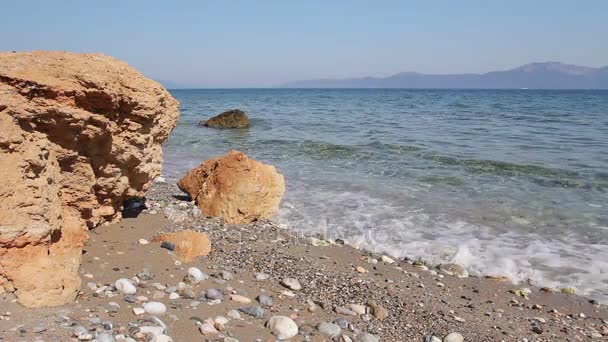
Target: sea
{"points": [[505, 182]]}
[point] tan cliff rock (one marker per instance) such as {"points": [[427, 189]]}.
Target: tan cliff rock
{"points": [[79, 134], [235, 187]]}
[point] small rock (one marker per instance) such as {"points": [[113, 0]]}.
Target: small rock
{"points": [[282, 327], [358, 309], [387, 259], [361, 269], [453, 337], [167, 245], [240, 299], [292, 284], [207, 328], [431, 338], [261, 276], [378, 311], [195, 275], [155, 308], [143, 242], [344, 311], [265, 300], [138, 311], [125, 286], [366, 337], [233, 314], [214, 294], [330, 330], [341, 322], [173, 295], [253, 310]]}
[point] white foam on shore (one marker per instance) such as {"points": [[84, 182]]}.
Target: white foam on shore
{"points": [[522, 256]]}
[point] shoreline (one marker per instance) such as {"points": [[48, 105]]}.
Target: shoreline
{"points": [[415, 302]]}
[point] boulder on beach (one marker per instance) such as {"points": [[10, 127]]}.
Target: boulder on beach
{"points": [[189, 244], [79, 134], [235, 188], [234, 118]]}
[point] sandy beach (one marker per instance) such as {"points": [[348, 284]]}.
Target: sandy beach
{"points": [[412, 303]]}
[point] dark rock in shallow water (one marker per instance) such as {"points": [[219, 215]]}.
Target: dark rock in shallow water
{"points": [[235, 118]]}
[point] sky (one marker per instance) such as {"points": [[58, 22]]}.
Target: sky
{"points": [[261, 43]]}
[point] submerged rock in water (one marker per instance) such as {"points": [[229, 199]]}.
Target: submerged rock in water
{"points": [[81, 134], [235, 187], [234, 118]]}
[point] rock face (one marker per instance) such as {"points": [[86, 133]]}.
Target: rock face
{"points": [[79, 134], [234, 187], [235, 118]]}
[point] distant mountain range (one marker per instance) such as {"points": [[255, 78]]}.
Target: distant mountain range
{"points": [[548, 75]]}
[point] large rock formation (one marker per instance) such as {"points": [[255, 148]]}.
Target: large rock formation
{"points": [[79, 134], [234, 187], [234, 118]]}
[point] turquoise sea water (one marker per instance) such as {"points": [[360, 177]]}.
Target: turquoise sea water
{"points": [[506, 182]]}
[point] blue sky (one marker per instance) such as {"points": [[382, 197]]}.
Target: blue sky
{"points": [[264, 43]]}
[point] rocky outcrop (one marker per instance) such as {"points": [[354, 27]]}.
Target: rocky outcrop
{"points": [[235, 118], [234, 187], [79, 134]]}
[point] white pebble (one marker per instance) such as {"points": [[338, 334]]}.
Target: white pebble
{"points": [[138, 311], [195, 275], [282, 327], [125, 286], [155, 308]]}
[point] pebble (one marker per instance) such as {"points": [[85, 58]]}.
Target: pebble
{"points": [[453, 337], [155, 308], [195, 275], [158, 338], [233, 314], [226, 275], [207, 328], [240, 299], [282, 327], [79, 330], [431, 338], [138, 311], [173, 295], [261, 276], [38, 328], [104, 337], [214, 294], [125, 286], [344, 311], [341, 322], [358, 309], [167, 245], [330, 330], [221, 320], [361, 269], [253, 310], [378, 311], [366, 337], [387, 259], [143, 242], [265, 300], [292, 284]]}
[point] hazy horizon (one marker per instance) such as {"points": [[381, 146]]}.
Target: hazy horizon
{"points": [[241, 44]]}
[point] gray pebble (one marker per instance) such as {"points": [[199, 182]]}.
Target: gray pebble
{"points": [[265, 300], [329, 329], [253, 310]]}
